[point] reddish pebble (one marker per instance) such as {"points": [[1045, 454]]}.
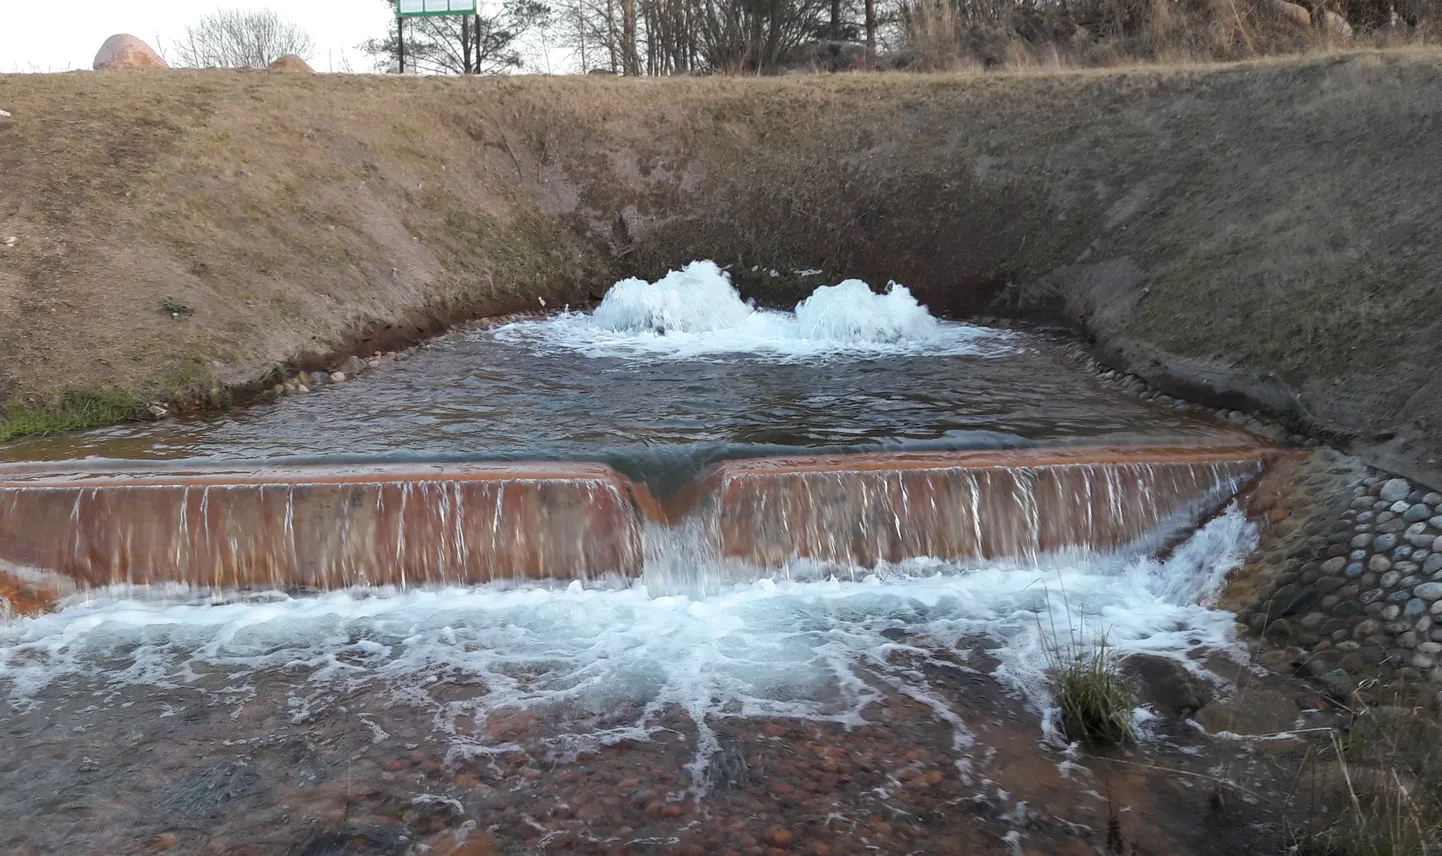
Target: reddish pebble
{"points": [[778, 836], [163, 841], [466, 780], [627, 784], [781, 789], [395, 765], [671, 810]]}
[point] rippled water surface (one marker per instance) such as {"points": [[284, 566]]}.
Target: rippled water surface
{"points": [[644, 391], [906, 709]]}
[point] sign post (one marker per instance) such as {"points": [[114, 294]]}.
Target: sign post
{"points": [[424, 8]]}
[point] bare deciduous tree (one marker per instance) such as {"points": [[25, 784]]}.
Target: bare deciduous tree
{"points": [[239, 38], [485, 43]]}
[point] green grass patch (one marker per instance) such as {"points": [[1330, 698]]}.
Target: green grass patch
{"points": [[1094, 698], [75, 410]]}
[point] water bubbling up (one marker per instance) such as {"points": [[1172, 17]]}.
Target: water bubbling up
{"points": [[696, 313]]}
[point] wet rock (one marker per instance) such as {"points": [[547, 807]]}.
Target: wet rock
{"points": [[1354, 570], [1408, 639], [1365, 628], [1379, 563], [1346, 609], [1384, 542], [1338, 681], [1414, 608], [1253, 710], [1329, 584], [1416, 512], [352, 366], [1166, 685], [1363, 540], [1390, 579], [1395, 489], [1418, 536], [1390, 612], [778, 836], [338, 377], [1429, 591], [1334, 565], [1433, 563]]}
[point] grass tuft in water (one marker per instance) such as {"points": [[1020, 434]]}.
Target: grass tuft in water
{"points": [[75, 410], [1095, 699]]}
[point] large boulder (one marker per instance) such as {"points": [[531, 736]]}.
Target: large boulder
{"points": [[1166, 685], [291, 62], [1282, 10], [123, 51], [1252, 711], [1336, 26]]}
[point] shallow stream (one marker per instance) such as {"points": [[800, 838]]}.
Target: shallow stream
{"points": [[855, 715]]}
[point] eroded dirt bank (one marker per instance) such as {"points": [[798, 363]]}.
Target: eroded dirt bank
{"points": [[1267, 232]]}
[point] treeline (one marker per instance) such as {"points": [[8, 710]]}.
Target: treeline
{"points": [[663, 37]]}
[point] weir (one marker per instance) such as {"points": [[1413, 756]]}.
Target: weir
{"points": [[324, 527]]}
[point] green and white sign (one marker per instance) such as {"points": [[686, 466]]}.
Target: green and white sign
{"points": [[420, 8]]}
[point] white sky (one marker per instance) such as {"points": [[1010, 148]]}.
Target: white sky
{"points": [[49, 35]]}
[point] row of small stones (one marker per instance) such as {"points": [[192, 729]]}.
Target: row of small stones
{"points": [[1380, 583], [352, 367], [1378, 591], [1135, 385]]}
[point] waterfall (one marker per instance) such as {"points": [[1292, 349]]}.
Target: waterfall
{"points": [[316, 527]]}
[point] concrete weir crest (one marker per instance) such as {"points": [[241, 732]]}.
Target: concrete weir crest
{"points": [[326, 527]]}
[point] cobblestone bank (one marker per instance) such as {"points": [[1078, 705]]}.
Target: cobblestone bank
{"points": [[1346, 585]]}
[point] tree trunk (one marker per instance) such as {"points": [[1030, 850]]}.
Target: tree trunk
{"points": [[466, 66], [836, 20], [611, 40], [628, 37], [870, 33]]}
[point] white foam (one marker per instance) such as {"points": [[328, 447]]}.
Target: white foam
{"points": [[696, 313], [813, 650]]}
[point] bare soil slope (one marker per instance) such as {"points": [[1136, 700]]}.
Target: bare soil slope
{"points": [[1266, 231]]}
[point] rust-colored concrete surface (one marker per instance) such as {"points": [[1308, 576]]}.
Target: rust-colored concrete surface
{"points": [[863, 509], [322, 527], [426, 524]]}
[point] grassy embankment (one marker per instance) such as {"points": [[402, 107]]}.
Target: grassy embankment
{"points": [[1263, 230]]}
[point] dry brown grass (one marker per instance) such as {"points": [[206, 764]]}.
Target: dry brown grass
{"points": [[1003, 34], [1256, 203], [1376, 791]]}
